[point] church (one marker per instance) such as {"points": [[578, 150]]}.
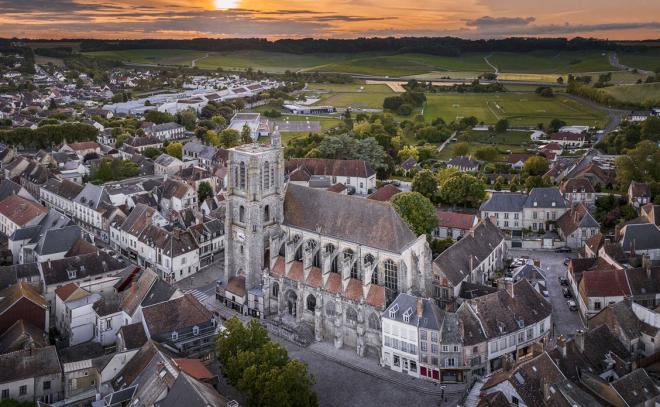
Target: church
{"points": [[312, 258]]}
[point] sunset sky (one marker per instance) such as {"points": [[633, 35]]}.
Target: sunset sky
{"points": [[120, 19]]}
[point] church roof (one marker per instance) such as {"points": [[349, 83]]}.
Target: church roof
{"points": [[365, 221]]}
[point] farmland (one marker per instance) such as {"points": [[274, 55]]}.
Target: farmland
{"points": [[647, 60], [647, 94], [519, 109]]}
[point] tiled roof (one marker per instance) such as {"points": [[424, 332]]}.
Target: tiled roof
{"points": [[236, 285], [576, 217], [20, 210], [376, 296], [577, 184], [133, 335], [27, 364], [321, 166], [455, 220], [194, 368], [384, 193], [333, 284], [10, 295], [612, 283], [175, 315], [353, 289]]}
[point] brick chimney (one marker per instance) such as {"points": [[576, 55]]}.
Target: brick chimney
{"points": [[420, 307], [579, 340], [646, 264], [561, 345]]}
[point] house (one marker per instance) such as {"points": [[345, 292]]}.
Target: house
{"points": [[176, 196], [569, 139], [400, 327], [166, 131], [578, 190], [599, 177], [635, 326], [17, 212], [60, 194], [192, 392], [641, 238], [356, 175], [410, 164], [142, 143], [542, 208], [639, 115], [78, 324], [183, 325], [89, 206], [453, 225], [82, 149], [50, 239], [209, 236], [21, 336], [474, 258], [506, 208], [532, 273], [203, 154], [517, 160], [31, 375], [165, 164], [639, 194], [21, 301], [463, 164], [384, 193], [576, 226]]}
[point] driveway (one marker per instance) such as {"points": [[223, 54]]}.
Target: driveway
{"points": [[565, 321]]}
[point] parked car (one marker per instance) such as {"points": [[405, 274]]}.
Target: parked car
{"points": [[564, 249], [572, 305], [563, 280], [567, 293]]}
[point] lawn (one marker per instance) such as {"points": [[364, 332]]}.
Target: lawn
{"points": [[355, 96], [647, 60], [514, 141], [519, 109], [645, 94]]}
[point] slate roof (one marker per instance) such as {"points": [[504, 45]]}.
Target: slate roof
{"points": [[133, 335], [175, 315], [173, 188], [652, 213], [26, 364], [166, 160], [190, 392], [477, 245], [372, 223], [545, 198], [500, 313], [9, 275], [463, 162], [338, 168], [636, 387], [576, 218], [59, 240], [143, 141], [7, 188], [504, 202], [577, 184], [92, 196], [22, 335], [422, 312], [640, 237], [85, 265]]}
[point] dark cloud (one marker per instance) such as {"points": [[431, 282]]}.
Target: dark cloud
{"points": [[487, 21], [585, 28]]}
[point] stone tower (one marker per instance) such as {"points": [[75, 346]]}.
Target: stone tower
{"points": [[255, 208]]}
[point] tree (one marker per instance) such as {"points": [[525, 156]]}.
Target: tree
{"points": [[219, 121], [502, 125], [407, 152], [230, 138], [157, 117], [392, 103], [555, 125], [461, 149], [486, 153], [425, 183], [417, 211], [650, 129], [535, 181], [151, 152], [535, 165], [405, 109], [463, 189], [175, 150], [641, 163], [560, 80], [204, 191], [246, 134]]}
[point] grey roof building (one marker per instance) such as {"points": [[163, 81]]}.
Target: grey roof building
{"points": [[545, 198], [504, 202]]}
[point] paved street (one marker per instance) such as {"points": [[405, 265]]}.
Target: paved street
{"points": [[565, 321]]}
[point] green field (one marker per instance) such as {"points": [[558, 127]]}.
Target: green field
{"points": [[519, 109], [374, 63], [647, 60], [354, 96], [514, 141], [647, 94]]}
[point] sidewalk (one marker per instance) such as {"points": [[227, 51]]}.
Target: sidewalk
{"points": [[348, 358]]}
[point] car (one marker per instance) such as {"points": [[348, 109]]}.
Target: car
{"points": [[563, 280], [572, 305], [564, 249], [566, 292], [397, 183]]}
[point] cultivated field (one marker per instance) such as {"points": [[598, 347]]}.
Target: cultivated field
{"points": [[551, 61], [647, 60], [647, 94], [519, 109], [151, 56]]}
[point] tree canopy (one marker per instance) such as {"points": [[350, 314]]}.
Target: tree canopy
{"points": [[536, 165], [462, 189], [175, 150], [417, 210], [425, 183]]}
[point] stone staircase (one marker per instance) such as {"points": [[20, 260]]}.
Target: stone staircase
{"points": [[472, 398]]}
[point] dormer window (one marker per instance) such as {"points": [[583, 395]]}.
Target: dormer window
{"points": [[195, 330], [394, 310], [71, 273], [536, 203], [175, 335], [553, 204]]}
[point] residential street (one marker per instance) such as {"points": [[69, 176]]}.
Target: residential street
{"points": [[565, 321]]}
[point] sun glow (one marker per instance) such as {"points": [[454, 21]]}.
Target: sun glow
{"points": [[225, 4]]}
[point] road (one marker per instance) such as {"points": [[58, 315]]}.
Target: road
{"points": [[565, 321], [614, 61], [497, 71], [444, 143], [194, 61]]}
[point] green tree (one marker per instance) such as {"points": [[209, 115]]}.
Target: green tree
{"points": [[407, 152], [461, 149], [246, 134], [425, 183], [417, 210], [536, 165], [219, 121], [157, 117], [151, 152], [555, 125], [175, 150], [230, 138], [535, 181], [462, 189], [502, 125], [641, 163], [204, 191], [392, 103], [650, 129], [487, 153]]}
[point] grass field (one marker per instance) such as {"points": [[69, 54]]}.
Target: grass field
{"points": [[379, 64], [514, 141], [350, 95], [519, 109], [648, 93], [648, 60]]}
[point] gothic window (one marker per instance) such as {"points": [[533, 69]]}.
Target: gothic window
{"points": [[242, 175], [369, 261], [276, 289], [330, 309], [311, 303], [374, 321], [351, 315], [391, 276], [241, 214], [236, 177], [272, 175], [282, 250], [266, 175], [348, 255], [316, 257], [266, 213], [329, 248], [298, 256]]}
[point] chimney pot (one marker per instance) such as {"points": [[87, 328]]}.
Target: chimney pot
{"points": [[579, 340]]}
